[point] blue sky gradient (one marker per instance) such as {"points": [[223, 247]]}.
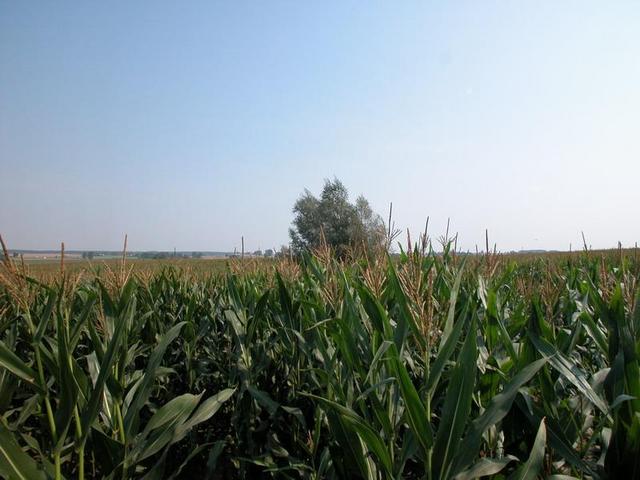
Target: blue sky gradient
{"points": [[189, 124]]}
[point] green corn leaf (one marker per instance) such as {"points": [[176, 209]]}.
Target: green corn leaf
{"points": [[144, 389], [453, 298], [533, 466], [506, 339], [193, 454], [84, 316], [127, 293], [157, 472], [349, 460], [594, 331], [556, 438], [160, 432], [495, 411], [44, 318], [15, 365], [263, 399], [205, 411], [636, 316], [285, 299], [371, 439], [172, 410], [457, 405], [212, 459], [568, 369], [374, 366], [447, 347], [485, 467], [68, 394], [376, 312], [405, 319], [107, 302], [414, 408], [14, 462], [91, 409], [108, 452]]}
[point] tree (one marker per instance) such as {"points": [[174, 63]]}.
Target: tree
{"points": [[343, 225]]}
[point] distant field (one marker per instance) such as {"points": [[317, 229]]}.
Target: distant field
{"points": [[51, 266]]}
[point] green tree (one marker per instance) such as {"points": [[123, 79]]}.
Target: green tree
{"points": [[344, 225]]}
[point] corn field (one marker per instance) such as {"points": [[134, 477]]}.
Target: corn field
{"points": [[429, 365]]}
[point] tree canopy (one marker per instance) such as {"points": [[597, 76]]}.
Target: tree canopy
{"points": [[344, 225]]}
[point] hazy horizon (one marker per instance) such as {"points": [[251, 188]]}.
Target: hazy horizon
{"points": [[191, 125]]}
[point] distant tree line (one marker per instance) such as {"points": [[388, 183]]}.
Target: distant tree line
{"points": [[166, 255]]}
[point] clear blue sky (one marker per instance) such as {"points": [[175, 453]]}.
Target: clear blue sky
{"points": [[189, 124]]}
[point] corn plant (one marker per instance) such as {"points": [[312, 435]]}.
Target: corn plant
{"points": [[433, 365]]}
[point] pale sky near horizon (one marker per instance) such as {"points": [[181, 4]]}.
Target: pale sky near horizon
{"points": [[189, 124]]}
